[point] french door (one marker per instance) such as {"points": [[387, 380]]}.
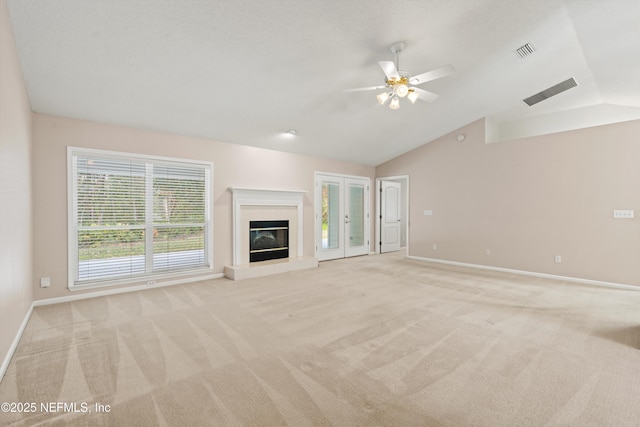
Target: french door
{"points": [[342, 216]]}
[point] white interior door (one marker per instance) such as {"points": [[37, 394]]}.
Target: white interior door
{"points": [[390, 222], [342, 216]]}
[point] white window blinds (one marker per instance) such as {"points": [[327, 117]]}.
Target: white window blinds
{"points": [[134, 216]]}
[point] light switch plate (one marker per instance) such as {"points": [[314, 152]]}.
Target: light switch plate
{"points": [[623, 213]]}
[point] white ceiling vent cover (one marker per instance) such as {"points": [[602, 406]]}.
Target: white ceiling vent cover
{"points": [[552, 91], [526, 50]]}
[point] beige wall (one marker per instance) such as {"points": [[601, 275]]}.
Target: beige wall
{"points": [[234, 166], [528, 200], [16, 282]]}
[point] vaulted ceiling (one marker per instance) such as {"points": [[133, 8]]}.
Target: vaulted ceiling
{"points": [[245, 71]]}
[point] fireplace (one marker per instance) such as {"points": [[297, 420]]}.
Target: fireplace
{"points": [[268, 240], [252, 205]]}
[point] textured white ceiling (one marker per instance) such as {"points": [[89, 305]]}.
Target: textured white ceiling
{"points": [[243, 71]]}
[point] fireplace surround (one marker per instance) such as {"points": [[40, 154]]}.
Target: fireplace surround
{"points": [[251, 204]]}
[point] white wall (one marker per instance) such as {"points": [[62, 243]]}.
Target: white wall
{"points": [[528, 200], [234, 166], [16, 284]]}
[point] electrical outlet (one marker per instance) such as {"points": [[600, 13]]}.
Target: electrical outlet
{"points": [[45, 282], [435, 246], [428, 212], [151, 282], [558, 258], [487, 251]]}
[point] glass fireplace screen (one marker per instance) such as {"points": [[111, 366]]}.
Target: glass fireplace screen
{"points": [[268, 240]]}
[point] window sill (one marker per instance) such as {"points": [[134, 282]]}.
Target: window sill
{"points": [[146, 282]]}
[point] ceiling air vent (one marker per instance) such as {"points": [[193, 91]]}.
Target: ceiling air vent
{"points": [[552, 91], [525, 50]]}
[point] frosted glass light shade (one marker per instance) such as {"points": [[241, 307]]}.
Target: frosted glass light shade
{"points": [[382, 98]]}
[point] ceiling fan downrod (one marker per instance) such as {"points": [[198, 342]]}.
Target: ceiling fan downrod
{"points": [[397, 48]]}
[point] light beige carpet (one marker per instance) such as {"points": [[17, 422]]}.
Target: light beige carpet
{"points": [[375, 340]]}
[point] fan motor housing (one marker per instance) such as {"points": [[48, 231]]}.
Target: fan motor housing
{"points": [[403, 80]]}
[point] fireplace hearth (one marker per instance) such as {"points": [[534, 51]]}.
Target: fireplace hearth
{"points": [[268, 240]]}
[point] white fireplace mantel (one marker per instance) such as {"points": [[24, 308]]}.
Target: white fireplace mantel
{"points": [[264, 197]]}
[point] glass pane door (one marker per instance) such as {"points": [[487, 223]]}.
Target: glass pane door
{"points": [[330, 215], [342, 219], [356, 221], [355, 218]]}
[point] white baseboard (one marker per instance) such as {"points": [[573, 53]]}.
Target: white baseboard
{"points": [[530, 273], [14, 344]]}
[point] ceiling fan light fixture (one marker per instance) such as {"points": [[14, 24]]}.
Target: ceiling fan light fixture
{"points": [[395, 103], [400, 84], [402, 90], [382, 98]]}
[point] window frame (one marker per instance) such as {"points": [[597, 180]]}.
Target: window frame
{"points": [[148, 277]]}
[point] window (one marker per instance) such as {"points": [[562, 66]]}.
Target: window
{"points": [[135, 218]]}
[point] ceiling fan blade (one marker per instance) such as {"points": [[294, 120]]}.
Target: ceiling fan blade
{"points": [[432, 75], [358, 89], [425, 95], [389, 69]]}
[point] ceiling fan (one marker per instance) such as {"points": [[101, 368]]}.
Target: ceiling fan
{"points": [[400, 84]]}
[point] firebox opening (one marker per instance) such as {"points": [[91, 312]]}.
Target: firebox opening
{"points": [[268, 240]]}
